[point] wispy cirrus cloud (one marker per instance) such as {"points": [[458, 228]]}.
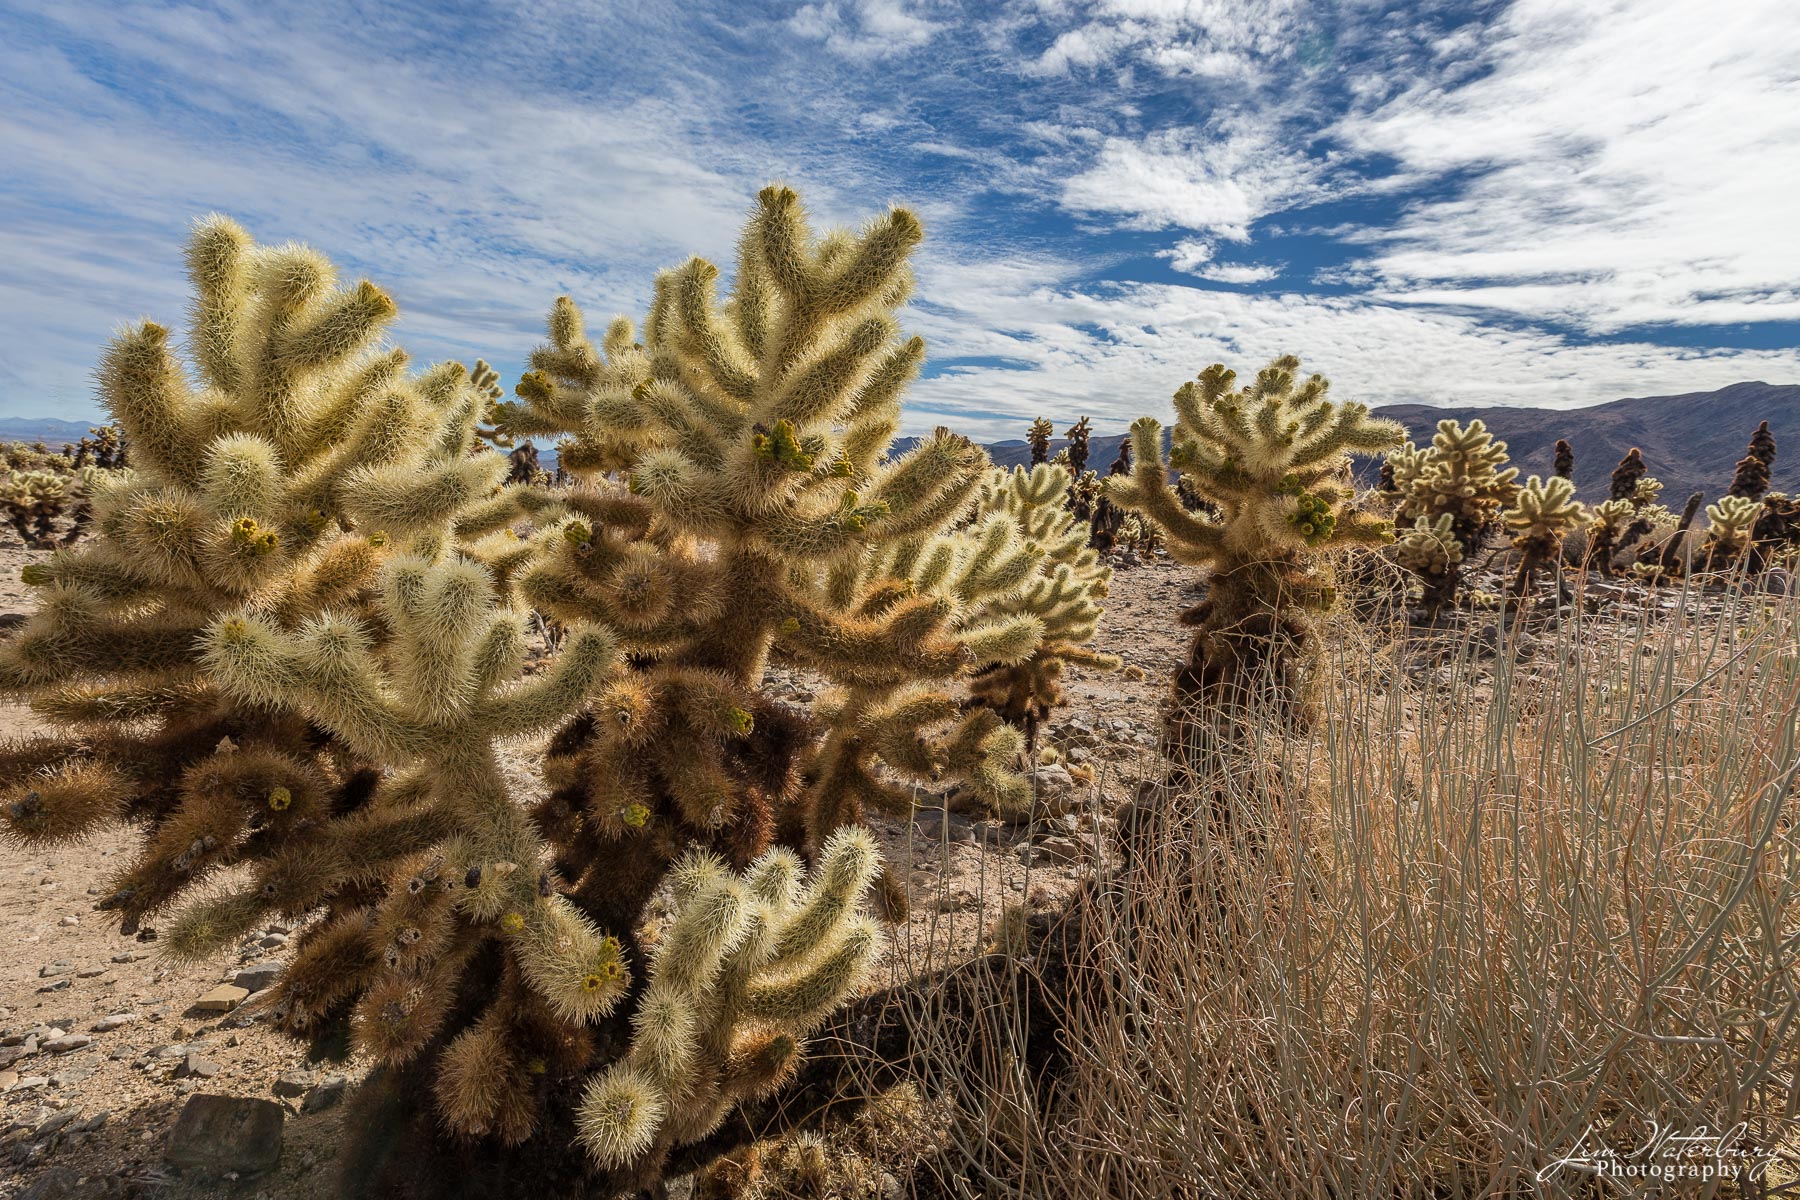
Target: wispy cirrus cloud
{"points": [[1454, 201]]}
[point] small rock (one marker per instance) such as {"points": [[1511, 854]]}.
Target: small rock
{"points": [[290, 1084], [116, 1021], [56, 1124], [92, 973], [327, 1095], [7, 1079], [28, 1082], [222, 999], [195, 1066], [71, 1077], [97, 1121], [273, 941], [68, 1042], [217, 1135], [70, 921], [1060, 849], [256, 978], [128, 957], [60, 967], [58, 986]]}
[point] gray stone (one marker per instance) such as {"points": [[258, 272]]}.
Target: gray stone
{"points": [[28, 1082], [97, 1121], [256, 978], [1060, 849], [290, 1084], [58, 986], [116, 1021], [57, 1123], [327, 1095], [218, 1135], [71, 1077], [196, 1066], [59, 967], [92, 973], [68, 1042]]}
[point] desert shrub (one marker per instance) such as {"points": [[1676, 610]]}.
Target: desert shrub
{"points": [[1522, 910]]}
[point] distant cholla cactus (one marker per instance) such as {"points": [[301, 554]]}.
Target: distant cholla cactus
{"points": [[1462, 474], [1274, 457], [1543, 513], [1063, 594], [1730, 525], [1078, 435], [1083, 494], [35, 500], [743, 972], [1626, 475], [1565, 459], [1039, 440], [1606, 526], [252, 482], [1751, 480], [1429, 549], [1139, 535]]}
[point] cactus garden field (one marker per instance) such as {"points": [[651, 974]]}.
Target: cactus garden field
{"points": [[1299, 805]]}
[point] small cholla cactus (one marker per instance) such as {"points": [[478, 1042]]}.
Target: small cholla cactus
{"points": [[1565, 459], [1730, 525], [1274, 457], [1543, 512], [1039, 440], [35, 500], [1429, 550], [1607, 524], [747, 967], [1751, 480], [1062, 593], [1462, 474]]}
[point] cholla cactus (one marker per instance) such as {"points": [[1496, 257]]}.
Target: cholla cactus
{"points": [[1274, 457], [1462, 474], [35, 500], [1730, 524], [457, 859], [1751, 480], [743, 972], [1063, 594], [1429, 549], [1626, 475], [1039, 439], [1564, 459], [1077, 450], [241, 497], [1607, 524], [1543, 512], [750, 435]]}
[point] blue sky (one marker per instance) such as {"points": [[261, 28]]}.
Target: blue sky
{"points": [[1532, 202]]}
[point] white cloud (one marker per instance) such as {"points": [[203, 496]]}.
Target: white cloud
{"points": [[1194, 257], [865, 29], [1630, 163]]}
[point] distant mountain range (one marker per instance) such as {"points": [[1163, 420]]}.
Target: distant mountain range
{"points": [[1691, 441]]}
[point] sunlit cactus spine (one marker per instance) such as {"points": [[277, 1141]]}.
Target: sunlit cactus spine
{"points": [[747, 966], [254, 468], [1274, 457], [1542, 514]]}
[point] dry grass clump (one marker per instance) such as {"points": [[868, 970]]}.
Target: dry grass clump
{"points": [[1503, 906]]}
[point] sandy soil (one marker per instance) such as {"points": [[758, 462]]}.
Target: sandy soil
{"points": [[103, 1043]]}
